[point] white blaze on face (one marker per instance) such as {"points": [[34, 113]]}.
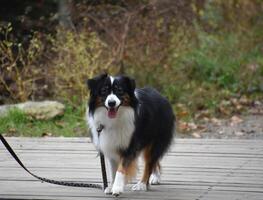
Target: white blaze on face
{"points": [[111, 80], [112, 98]]}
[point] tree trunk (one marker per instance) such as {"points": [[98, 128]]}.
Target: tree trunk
{"points": [[64, 13]]}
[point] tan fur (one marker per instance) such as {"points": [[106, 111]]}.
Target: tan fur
{"points": [[146, 172], [129, 171], [99, 102], [147, 168], [126, 100]]}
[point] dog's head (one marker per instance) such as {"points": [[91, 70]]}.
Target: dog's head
{"points": [[111, 92]]}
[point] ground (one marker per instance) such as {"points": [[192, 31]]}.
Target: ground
{"points": [[248, 125]]}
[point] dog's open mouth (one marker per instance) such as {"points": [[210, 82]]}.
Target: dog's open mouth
{"points": [[112, 112]]}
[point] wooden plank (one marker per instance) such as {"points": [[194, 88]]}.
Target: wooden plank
{"points": [[192, 143], [177, 140], [193, 169]]}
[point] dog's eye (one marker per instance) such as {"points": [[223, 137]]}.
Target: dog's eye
{"points": [[104, 90], [119, 91]]}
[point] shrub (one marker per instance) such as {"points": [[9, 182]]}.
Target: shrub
{"points": [[78, 56], [18, 65]]}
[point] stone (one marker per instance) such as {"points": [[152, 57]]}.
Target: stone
{"points": [[42, 110]]}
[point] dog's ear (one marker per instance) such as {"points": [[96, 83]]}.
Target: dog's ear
{"points": [[92, 83], [131, 83]]}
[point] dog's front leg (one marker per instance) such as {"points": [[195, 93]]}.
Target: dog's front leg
{"points": [[113, 165], [119, 183], [125, 171]]}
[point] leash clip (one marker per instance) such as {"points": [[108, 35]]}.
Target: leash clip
{"points": [[100, 128]]}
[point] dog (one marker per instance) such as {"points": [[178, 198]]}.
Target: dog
{"points": [[126, 121]]}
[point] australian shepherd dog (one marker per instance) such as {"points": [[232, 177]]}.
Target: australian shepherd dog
{"points": [[126, 121]]}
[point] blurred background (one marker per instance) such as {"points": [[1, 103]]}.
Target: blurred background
{"points": [[205, 56]]}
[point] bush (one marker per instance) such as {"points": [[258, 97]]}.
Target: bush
{"points": [[19, 66], [77, 57]]}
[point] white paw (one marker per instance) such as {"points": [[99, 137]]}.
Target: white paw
{"points": [[108, 190], [140, 186], [119, 183], [117, 190], [155, 179]]}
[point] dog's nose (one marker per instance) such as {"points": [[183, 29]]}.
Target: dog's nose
{"points": [[112, 103]]}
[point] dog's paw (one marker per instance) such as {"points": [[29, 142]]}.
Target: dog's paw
{"points": [[117, 190], [118, 185], [140, 186], [108, 190], [155, 179]]}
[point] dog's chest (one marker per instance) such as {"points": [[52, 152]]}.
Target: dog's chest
{"points": [[116, 133]]}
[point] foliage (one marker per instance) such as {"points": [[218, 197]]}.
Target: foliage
{"points": [[77, 58], [18, 68], [198, 53], [219, 67]]}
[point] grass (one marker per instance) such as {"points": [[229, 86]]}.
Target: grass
{"points": [[72, 123]]}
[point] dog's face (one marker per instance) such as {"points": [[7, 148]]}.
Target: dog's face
{"points": [[111, 92]]}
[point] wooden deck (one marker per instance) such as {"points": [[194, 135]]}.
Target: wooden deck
{"points": [[196, 169]]}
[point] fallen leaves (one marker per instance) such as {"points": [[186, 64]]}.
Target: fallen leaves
{"points": [[186, 126], [191, 127], [196, 135], [222, 120], [182, 114], [235, 120], [60, 124], [203, 114], [239, 133], [215, 121], [12, 130], [181, 110], [234, 105]]}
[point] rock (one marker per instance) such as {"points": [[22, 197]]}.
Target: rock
{"points": [[43, 110]]}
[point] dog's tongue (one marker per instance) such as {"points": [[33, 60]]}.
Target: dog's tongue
{"points": [[112, 112]]}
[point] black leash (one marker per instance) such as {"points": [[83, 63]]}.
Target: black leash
{"points": [[102, 160], [103, 171], [65, 183]]}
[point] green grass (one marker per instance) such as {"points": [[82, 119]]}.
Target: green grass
{"points": [[72, 123]]}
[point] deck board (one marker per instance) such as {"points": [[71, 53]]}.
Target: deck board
{"points": [[193, 169]]}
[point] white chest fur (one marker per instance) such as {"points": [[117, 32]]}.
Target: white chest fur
{"points": [[116, 133]]}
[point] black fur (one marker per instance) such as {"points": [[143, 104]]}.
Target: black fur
{"points": [[154, 122]]}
